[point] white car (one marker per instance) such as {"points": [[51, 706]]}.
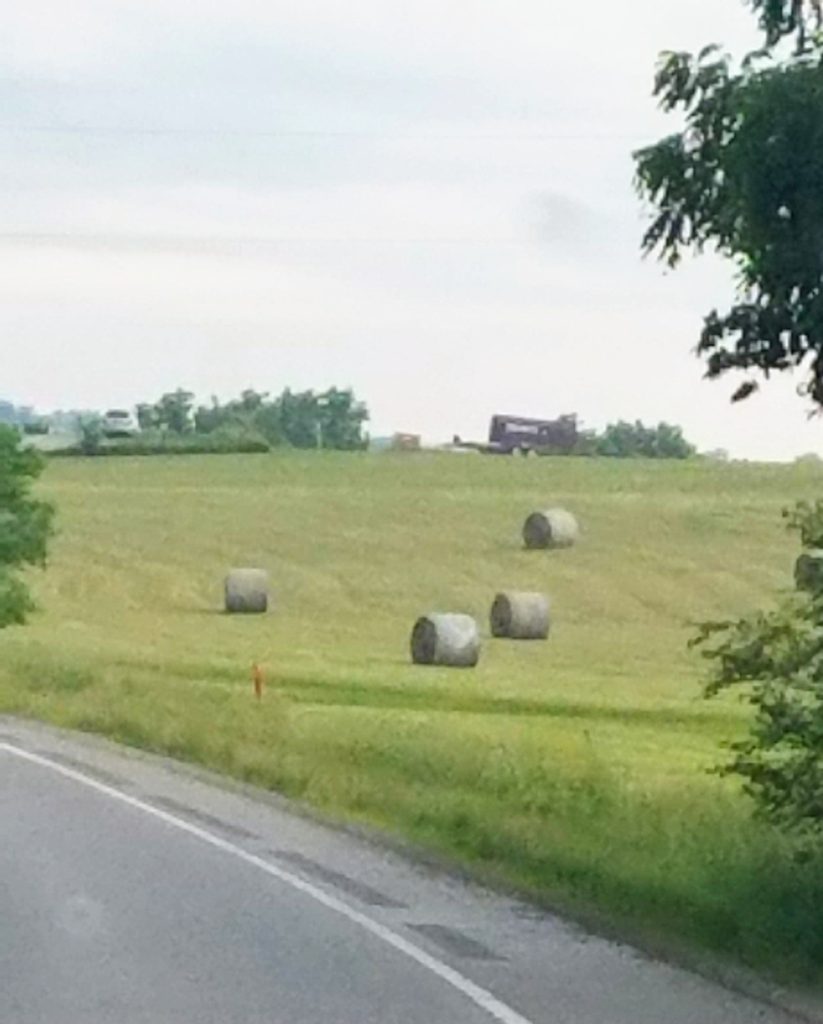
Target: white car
{"points": [[120, 423]]}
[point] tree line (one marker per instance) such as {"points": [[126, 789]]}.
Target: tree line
{"points": [[744, 177], [625, 440], [254, 421], [300, 419]]}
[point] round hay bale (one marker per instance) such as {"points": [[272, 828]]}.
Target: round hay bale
{"points": [[808, 571], [247, 591], [520, 616], [555, 528], [452, 640]]}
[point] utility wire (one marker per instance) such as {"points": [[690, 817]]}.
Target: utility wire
{"points": [[149, 132], [189, 241]]}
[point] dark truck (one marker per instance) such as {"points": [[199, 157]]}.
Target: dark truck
{"points": [[518, 435], [511, 435]]}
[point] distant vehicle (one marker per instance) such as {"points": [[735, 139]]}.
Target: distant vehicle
{"points": [[519, 435], [406, 443], [119, 423], [512, 435]]}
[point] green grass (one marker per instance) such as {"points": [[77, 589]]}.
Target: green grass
{"points": [[576, 769]]}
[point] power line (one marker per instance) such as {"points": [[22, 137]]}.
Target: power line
{"points": [[143, 241], [172, 132]]}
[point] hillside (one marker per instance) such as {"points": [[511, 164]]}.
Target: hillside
{"points": [[576, 769]]}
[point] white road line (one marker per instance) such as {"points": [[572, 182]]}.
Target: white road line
{"points": [[478, 995]]}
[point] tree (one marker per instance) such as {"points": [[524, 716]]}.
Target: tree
{"points": [[341, 418], [802, 19], [91, 433], [305, 419], [25, 524], [301, 419], [208, 418], [745, 178], [778, 656], [250, 400], [174, 411], [634, 440], [147, 416]]}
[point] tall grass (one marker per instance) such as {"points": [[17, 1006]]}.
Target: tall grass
{"points": [[676, 866]]}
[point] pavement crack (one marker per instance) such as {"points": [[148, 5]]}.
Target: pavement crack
{"points": [[93, 772], [360, 890], [453, 941], [203, 818]]}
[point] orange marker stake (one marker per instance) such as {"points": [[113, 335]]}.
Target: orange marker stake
{"points": [[258, 679]]}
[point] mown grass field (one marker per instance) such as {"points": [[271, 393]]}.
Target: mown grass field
{"points": [[576, 769]]}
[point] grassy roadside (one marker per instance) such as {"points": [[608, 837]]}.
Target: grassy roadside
{"points": [[575, 769]]}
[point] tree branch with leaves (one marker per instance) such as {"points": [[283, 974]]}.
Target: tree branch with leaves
{"points": [[802, 19], [744, 178], [25, 524], [777, 656]]}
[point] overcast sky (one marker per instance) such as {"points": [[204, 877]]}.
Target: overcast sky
{"points": [[428, 201]]}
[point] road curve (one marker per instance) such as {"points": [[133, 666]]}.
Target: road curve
{"points": [[137, 891]]}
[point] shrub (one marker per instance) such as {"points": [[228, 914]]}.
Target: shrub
{"points": [[625, 440], [156, 444], [91, 434], [25, 524], [778, 656]]}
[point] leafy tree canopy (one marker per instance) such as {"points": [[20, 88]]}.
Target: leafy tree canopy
{"points": [[173, 411], [623, 440], [801, 19], [301, 419], [25, 524], [777, 656], [745, 177]]}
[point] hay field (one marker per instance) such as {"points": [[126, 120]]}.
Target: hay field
{"points": [[575, 769]]}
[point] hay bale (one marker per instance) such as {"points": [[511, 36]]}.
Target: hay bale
{"points": [[247, 591], [808, 571], [452, 640], [520, 616], [555, 528]]}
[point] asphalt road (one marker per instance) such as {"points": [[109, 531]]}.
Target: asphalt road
{"points": [[135, 890]]}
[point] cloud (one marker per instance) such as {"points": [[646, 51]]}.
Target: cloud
{"points": [[429, 201]]}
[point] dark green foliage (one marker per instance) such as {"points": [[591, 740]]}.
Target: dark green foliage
{"points": [[781, 18], [207, 418], [341, 418], [219, 443], [745, 178], [624, 440], [305, 419], [254, 422], [147, 416], [25, 524], [173, 412], [15, 600], [91, 434], [293, 419], [36, 428], [237, 415], [778, 656]]}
